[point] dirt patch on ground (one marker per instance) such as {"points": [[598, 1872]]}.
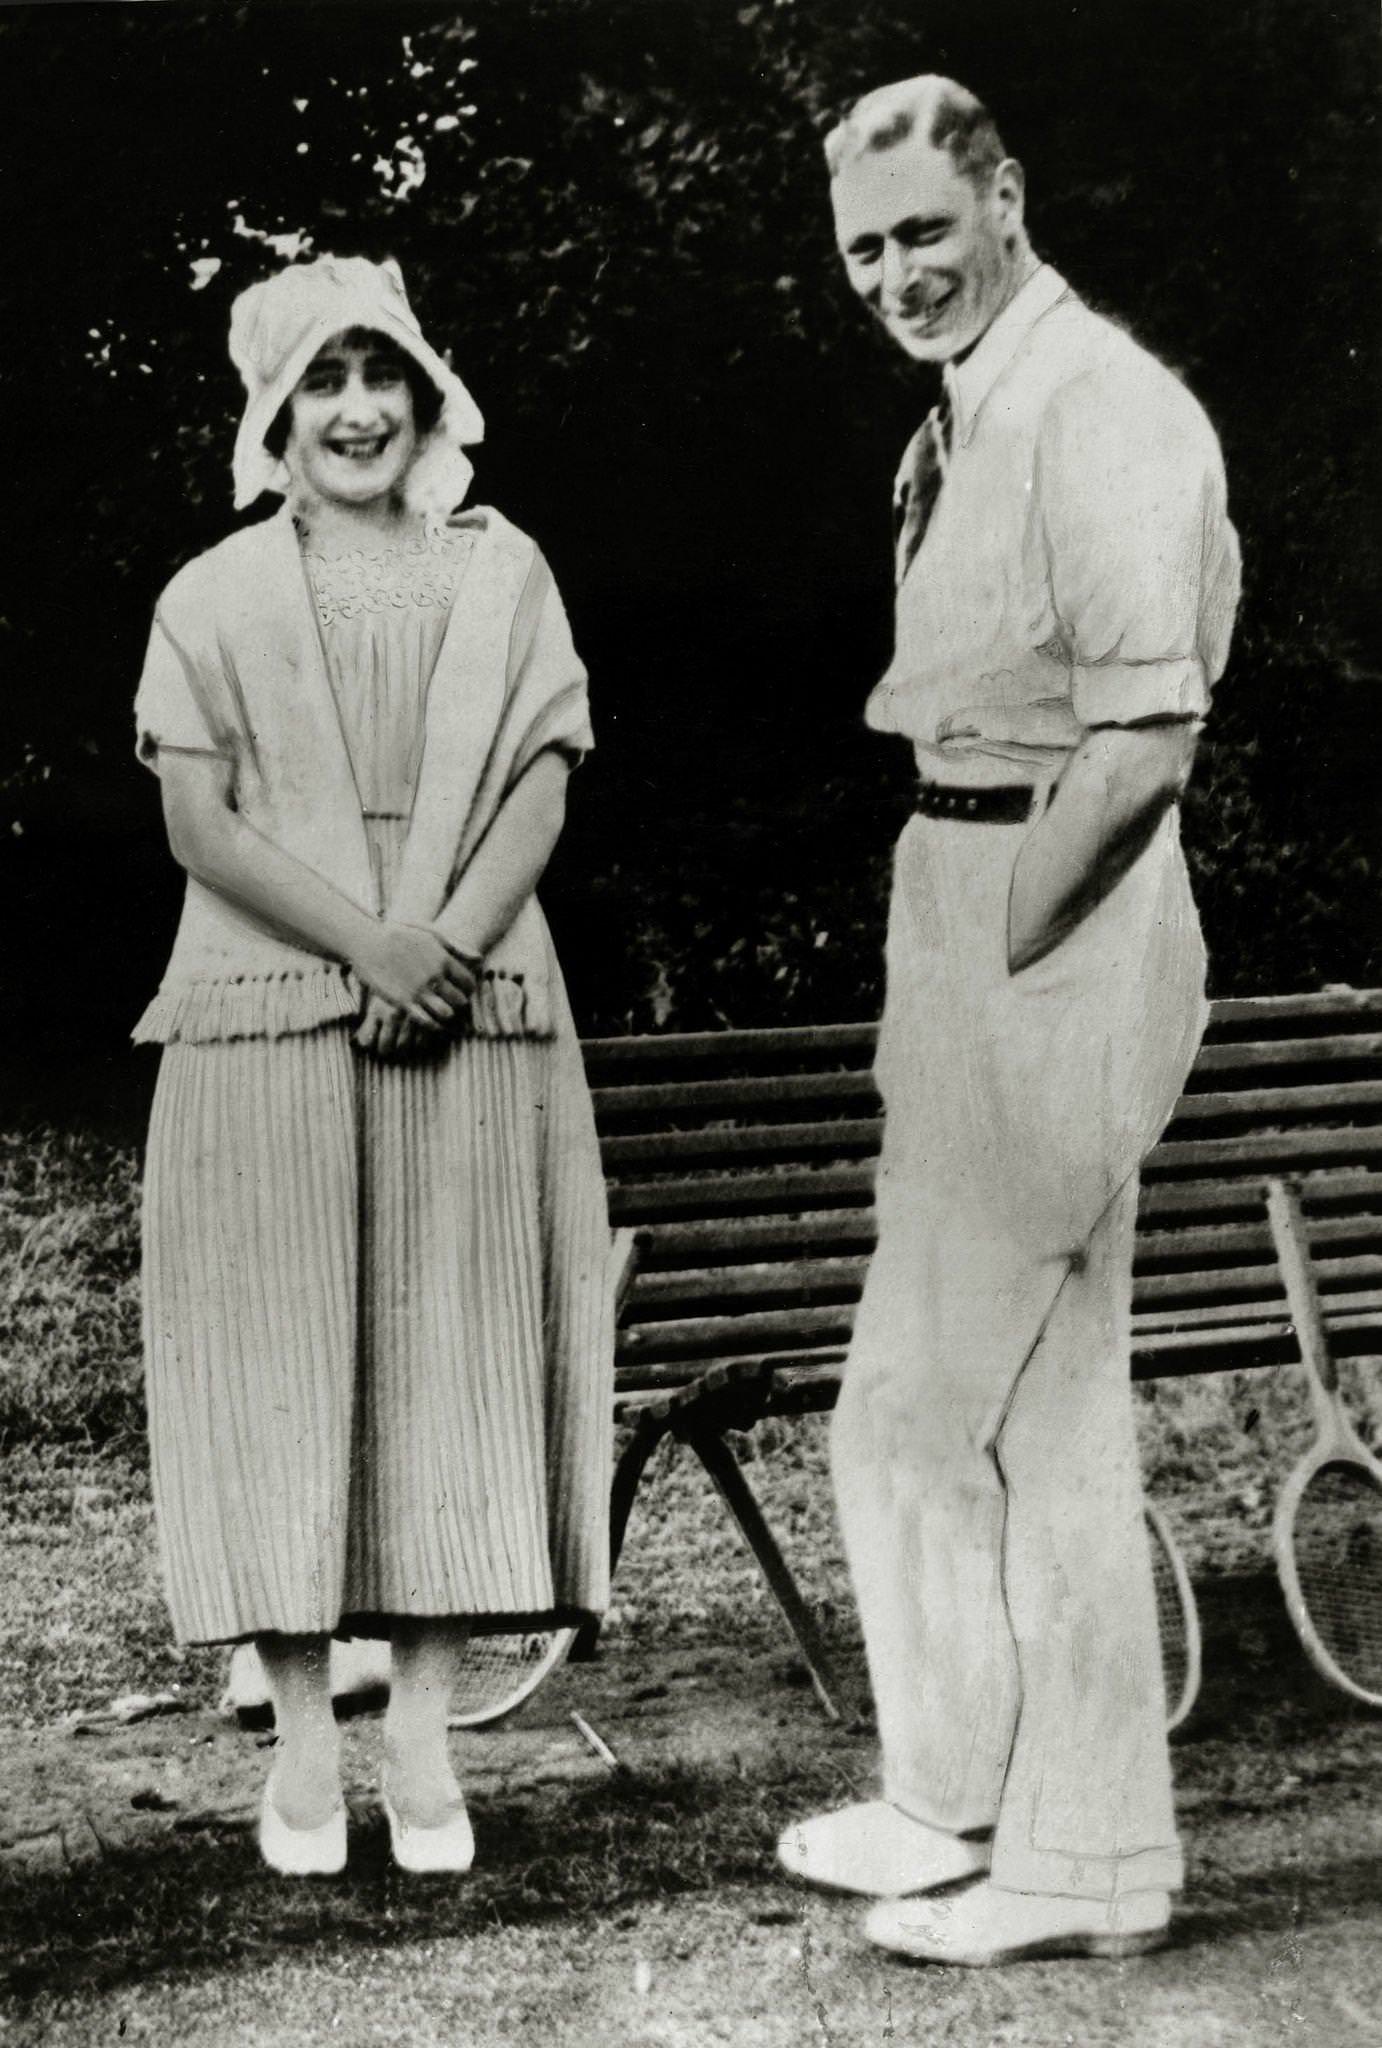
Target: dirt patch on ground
{"points": [[640, 1905]]}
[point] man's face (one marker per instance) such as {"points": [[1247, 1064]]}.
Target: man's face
{"points": [[934, 256]]}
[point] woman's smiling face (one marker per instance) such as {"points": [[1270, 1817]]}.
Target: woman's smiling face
{"points": [[354, 430]]}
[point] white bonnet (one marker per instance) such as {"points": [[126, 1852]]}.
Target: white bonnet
{"points": [[277, 326]]}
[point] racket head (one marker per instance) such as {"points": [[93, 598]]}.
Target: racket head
{"points": [[495, 1674], [1178, 1620], [1328, 1539]]}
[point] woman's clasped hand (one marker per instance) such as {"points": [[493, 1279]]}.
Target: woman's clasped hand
{"points": [[419, 986]]}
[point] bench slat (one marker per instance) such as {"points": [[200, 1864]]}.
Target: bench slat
{"points": [[720, 1048], [1243, 1055], [840, 1138], [779, 1329], [819, 1232], [1359, 1005], [740, 1092], [1267, 1151], [1205, 1243], [1235, 1283], [727, 1336], [721, 1290], [860, 1136], [710, 1289], [823, 1233], [809, 1386], [753, 1194], [1365, 1302], [1337, 1099], [1160, 1206], [688, 1101]]}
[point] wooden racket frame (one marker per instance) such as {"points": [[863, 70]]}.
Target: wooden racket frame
{"points": [[1337, 1442]]}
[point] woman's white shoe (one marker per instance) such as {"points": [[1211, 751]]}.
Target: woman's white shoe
{"points": [[302, 1852], [983, 1925], [450, 1846], [878, 1850]]}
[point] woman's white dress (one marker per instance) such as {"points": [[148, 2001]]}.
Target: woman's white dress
{"points": [[376, 1309]]}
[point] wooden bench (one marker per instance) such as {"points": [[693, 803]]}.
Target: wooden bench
{"points": [[741, 1167]]}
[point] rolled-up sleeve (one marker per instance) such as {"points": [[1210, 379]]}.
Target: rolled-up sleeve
{"points": [[1140, 555], [166, 711]]}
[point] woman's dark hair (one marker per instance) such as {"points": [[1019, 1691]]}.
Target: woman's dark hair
{"points": [[426, 397]]}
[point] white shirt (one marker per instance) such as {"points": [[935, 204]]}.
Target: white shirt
{"points": [[1079, 568]]}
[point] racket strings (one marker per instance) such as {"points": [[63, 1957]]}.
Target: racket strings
{"points": [[1170, 1620], [1337, 1542], [1173, 1627], [494, 1670]]}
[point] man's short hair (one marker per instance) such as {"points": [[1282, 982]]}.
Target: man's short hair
{"points": [[947, 114]]}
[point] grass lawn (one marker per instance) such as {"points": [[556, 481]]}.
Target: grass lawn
{"points": [[638, 1906]]}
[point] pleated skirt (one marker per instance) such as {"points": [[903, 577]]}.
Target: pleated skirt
{"points": [[378, 1335]]}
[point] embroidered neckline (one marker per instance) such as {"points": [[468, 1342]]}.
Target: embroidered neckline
{"points": [[417, 572]]}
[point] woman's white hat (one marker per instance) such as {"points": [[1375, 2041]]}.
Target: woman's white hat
{"points": [[277, 326]]}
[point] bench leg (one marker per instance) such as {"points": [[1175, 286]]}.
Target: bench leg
{"points": [[722, 1465], [622, 1494]]}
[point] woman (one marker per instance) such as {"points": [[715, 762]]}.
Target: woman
{"points": [[377, 1324]]}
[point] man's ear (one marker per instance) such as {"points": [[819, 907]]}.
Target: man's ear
{"points": [[1008, 196]]}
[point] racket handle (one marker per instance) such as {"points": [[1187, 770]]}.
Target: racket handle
{"points": [[1292, 1242]]}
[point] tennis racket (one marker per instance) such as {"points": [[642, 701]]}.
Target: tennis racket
{"points": [[1178, 1620], [1327, 1529], [496, 1674]]}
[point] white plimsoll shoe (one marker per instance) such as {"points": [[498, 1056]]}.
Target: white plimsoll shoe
{"points": [[981, 1925], [302, 1852], [875, 1848], [447, 1847]]}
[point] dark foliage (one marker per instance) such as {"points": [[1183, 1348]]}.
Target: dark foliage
{"points": [[622, 232]]}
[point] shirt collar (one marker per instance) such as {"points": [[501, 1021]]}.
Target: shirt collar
{"points": [[970, 382]]}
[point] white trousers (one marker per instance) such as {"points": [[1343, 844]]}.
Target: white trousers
{"points": [[983, 1447]]}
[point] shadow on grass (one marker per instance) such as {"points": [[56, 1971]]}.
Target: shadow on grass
{"points": [[204, 1901], [185, 1900], [1277, 1899], [1270, 1753]]}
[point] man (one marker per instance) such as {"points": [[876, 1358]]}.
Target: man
{"points": [[1067, 580]]}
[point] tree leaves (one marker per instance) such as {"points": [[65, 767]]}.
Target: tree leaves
{"points": [[614, 214]]}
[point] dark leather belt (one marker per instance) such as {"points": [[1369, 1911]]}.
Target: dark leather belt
{"points": [[1004, 803]]}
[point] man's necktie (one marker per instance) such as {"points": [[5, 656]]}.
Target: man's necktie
{"points": [[916, 500]]}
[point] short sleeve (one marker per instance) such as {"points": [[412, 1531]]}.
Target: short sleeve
{"points": [[166, 711], [1142, 560], [552, 677]]}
